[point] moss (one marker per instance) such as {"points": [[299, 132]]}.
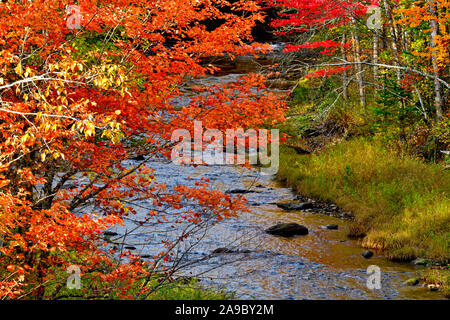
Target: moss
{"points": [[157, 288], [192, 290], [438, 278], [412, 282]]}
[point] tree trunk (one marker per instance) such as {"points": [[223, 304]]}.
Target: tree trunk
{"points": [[394, 39], [359, 76], [344, 74], [437, 85], [375, 57]]}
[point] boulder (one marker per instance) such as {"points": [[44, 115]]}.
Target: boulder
{"points": [[287, 230], [367, 254], [412, 282], [332, 227], [433, 287], [293, 206], [222, 250], [420, 262]]}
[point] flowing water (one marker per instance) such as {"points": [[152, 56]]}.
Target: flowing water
{"points": [[324, 264]]}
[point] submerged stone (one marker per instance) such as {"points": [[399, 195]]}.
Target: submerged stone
{"points": [[412, 282], [292, 206], [110, 233], [287, 230], [236, 191], [222, 250], [367, 254]]}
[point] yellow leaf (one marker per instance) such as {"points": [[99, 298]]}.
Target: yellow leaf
{"points": [[27, 72], [25, 137], [18, 69]]}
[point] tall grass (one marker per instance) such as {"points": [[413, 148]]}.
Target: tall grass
{"points": [[401, 204]]}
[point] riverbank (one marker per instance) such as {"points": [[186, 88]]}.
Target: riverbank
{"points": [[401, 205]]}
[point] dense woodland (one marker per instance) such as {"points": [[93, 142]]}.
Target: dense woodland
{"points": [[84, 88]]}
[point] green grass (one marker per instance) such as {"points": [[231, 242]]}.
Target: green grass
{"points": [[401, 204], [192, 290], [157, 288], [182, 289]]}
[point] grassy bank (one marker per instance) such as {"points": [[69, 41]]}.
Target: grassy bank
{"points": [[191, 290], [401, 205]]}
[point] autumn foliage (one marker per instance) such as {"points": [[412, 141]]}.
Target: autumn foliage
{"points": [[399, 48], [73, 103]]}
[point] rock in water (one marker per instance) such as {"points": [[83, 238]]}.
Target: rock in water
{"points": [[287, 230], [367, 254], [433, 287], [332, 226], [420, 262], [110, 234], [236, 191], [139, 157], [292, 206], [412, 282]]}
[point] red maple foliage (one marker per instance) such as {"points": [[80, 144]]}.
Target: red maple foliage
{"points": [[77, 102], [305, 15]]}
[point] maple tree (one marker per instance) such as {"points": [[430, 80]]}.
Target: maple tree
{"points": [[74, 101], [315, 16], [432, 18]]}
